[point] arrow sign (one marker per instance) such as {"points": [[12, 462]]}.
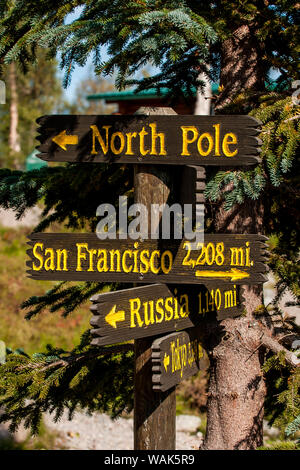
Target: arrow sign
{"points": [[166, 361], [157, 308], [174, 139], [84, 257], [62, 140], [185, 358], [233, 274], [113, 317]]}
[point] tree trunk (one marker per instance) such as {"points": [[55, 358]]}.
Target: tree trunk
{"points": [[203, 99], [14, 138], [236, 390], [241, 67]]}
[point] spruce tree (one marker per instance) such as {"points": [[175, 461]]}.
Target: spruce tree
{"points": [[37, 92], [241, 43]]}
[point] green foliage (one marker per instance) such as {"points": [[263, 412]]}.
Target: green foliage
{"points": [[179, 37], [94, 379], [279, 154], [276, 183], [38, 92], [165, 33], [293, 427], [88, 186], [280, 445], [282, 406]]}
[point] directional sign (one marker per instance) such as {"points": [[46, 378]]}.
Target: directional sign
{"points": [[84, 257], [175, 357], [157, 308], [174, 139]]}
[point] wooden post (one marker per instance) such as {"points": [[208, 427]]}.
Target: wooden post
{"points": [[154, 411]]}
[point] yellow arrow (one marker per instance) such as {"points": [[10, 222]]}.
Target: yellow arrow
{"points": [[166, 361], [234, 274], [62, 140], [113, 317]]}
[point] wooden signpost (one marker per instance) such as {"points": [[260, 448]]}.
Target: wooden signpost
{"points": [[159, 308], [173, 139], [84, 257], [185, 284], [175, 357]]}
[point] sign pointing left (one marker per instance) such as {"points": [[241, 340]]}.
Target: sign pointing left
{"points": [[113, 317], [158, 308], [63, 139], [166, 361]]}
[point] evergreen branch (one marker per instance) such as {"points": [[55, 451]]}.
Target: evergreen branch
{"points": [[72, 359], [89, 378]]}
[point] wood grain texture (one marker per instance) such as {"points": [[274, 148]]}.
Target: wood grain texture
{"points": [[147, 147], [176, 357], [159, 308], [226, 258], [154, 412]]}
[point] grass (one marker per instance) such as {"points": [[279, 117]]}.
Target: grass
{"points": [[15, 287], [31, 335]]}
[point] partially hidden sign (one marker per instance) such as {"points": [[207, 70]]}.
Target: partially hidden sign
{"points": [[159, 308], [84, 257], [174, 139], [175, 357]]}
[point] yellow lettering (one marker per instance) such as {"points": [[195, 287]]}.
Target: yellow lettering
{"points": [[122, 143], [145, 261], [164, 268], [114, 253], [152, 266], [210, 140], [237, 256], [102, 261], [184, 305], [135, 305], [149, 318], [49, 264], [135, 258], [142, 134], [247, 262], [60, 254], [81, 255], [38, 256], [154, 137], [92, 252], [96, 134], [186, 140], [124, 265], [227, 142], [159, 310], [169, 308], [228, 299], [217, 139], [130, 136]]}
